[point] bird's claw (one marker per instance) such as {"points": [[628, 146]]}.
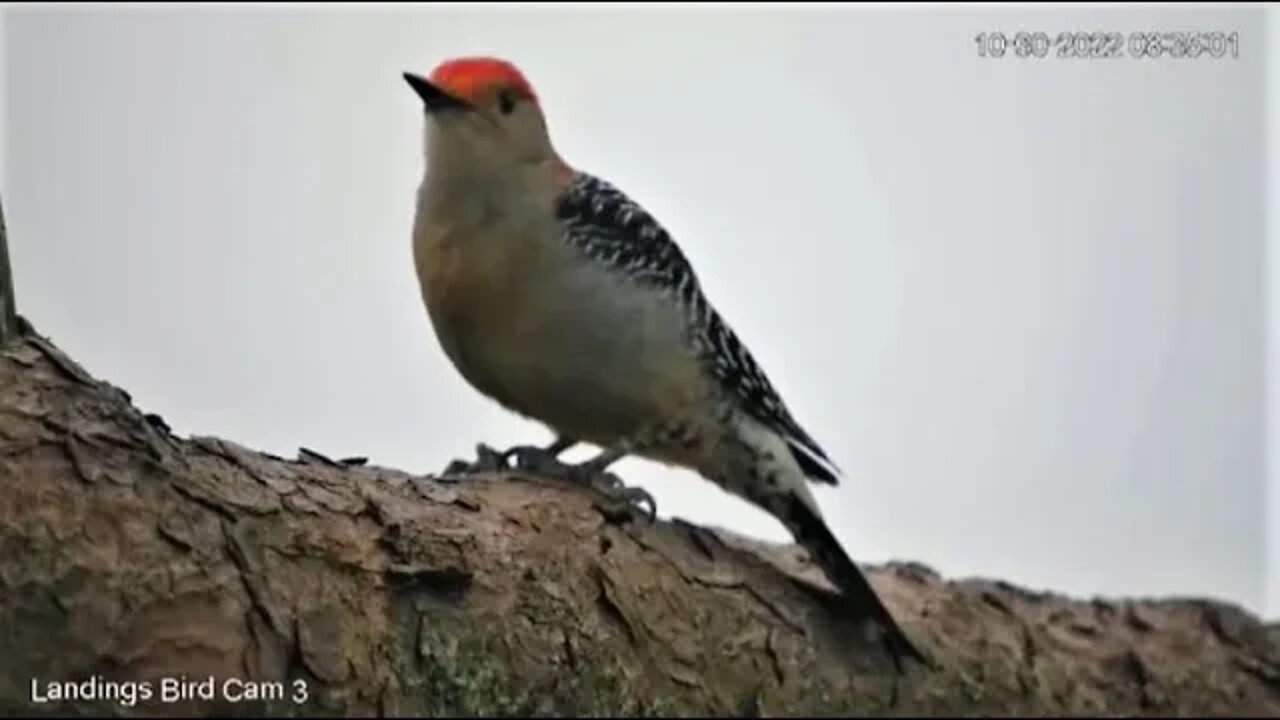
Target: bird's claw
{"points": [[612, 487], [531, 458], [487, 460], [538, 461], [634, 498]]}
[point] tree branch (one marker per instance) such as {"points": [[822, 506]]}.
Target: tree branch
{"points": [[8, 299], [130, 558]]}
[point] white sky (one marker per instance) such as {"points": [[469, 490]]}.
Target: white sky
{"points": [[1019, 301]]}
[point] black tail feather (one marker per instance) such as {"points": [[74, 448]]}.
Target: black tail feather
{"points": [[814, 535], [811, 466]]}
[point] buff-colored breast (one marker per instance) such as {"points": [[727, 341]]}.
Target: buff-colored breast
{"points": [[550, 335]]}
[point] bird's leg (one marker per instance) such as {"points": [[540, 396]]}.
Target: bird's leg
{"points": [[487, 460], [595, 473], [539, 459], [544, 461], [528, 457]]}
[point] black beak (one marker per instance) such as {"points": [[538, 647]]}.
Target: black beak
{"points": [[435, 99]]}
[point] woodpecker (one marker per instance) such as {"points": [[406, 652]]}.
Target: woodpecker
{"points": [[559, 297]]}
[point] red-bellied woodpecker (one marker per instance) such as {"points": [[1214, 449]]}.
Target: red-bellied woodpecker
{"points": [[560, 298]]}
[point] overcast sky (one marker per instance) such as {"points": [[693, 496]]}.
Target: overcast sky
{"points": [[1020, 301]]}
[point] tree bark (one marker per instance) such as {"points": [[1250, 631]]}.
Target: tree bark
{"points": [[134, 556], [8, 299]]}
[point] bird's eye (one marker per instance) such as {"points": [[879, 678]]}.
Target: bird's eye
{"points": [[506, 102]]}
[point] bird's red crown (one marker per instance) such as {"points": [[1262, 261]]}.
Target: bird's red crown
{"points": [[474, 78]]}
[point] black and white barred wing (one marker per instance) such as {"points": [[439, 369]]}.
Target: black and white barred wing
{"points": [[608, 227]]}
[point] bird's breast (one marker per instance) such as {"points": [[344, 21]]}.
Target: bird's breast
{"points": [[549, 335], [471, 287]]}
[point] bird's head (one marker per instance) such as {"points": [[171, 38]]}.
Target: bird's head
{"points": [[481, 108]]}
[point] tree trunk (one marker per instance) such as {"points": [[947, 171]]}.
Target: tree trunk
{"points": [[134, 560]]}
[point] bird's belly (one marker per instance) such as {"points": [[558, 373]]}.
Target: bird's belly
{"points": [[566, 351]]}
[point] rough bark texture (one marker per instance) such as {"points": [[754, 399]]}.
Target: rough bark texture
{"points": [[130, 554]]}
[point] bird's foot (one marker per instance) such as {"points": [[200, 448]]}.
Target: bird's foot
{"points": [[487, 460], [613, 489], [539, 461], [534, 459], [544, 461]]}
